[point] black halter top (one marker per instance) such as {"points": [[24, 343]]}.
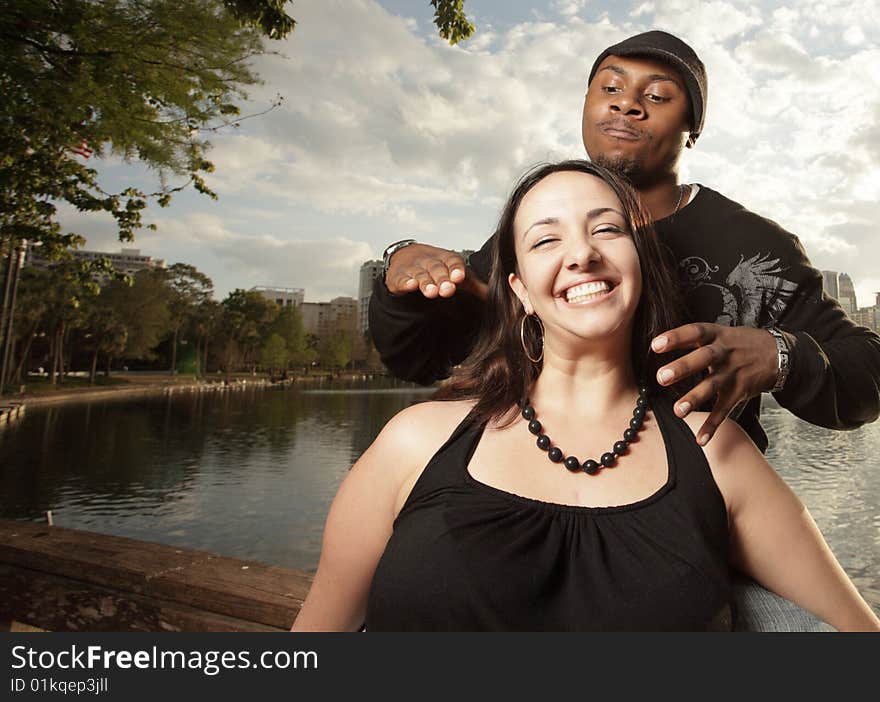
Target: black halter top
{"points": [[465, 556]]}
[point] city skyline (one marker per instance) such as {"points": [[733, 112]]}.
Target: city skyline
{"points": [[387, 132]]}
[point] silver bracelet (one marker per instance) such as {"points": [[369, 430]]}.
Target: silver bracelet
{"points": [[783, 357]]}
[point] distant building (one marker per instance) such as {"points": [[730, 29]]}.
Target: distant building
{"points": [[370, 271], [324, 318], [128, 261], [840, 287], [847, 296], [283, 297], [830, 284], [869, 316]]}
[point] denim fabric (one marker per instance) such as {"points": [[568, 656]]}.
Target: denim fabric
{"points": [[757, 609]]}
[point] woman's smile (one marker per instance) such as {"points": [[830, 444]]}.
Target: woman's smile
{"points": [[593, 291]]}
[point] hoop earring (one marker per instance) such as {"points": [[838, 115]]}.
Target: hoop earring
{"points": [[522, 337]]}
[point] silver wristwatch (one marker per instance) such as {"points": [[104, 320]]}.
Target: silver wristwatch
{"points": [[390, 251], [783, 356]]}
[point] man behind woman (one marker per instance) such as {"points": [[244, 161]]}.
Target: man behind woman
{"points": [[494, 508]]}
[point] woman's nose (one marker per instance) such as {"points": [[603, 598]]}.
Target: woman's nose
{"points": [[581, 253]]}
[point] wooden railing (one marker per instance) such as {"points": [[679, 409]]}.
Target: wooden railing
{"points": [[60, 579]]}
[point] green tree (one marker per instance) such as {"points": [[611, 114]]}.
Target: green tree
{"points": [[143, 306], [188, 290], [32, 308], [245, 324], [289, 325], [144, 80], [274, 354], [312, 352], [206, 323], [335, 350], [105, 332], [67, 285]]}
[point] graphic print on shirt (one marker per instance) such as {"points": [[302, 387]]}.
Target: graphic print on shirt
{"points": [[752, 295]]}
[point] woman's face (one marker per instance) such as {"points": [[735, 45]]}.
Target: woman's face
{"points": [[578, 268]]}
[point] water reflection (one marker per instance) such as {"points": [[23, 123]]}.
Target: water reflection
{"points": [[837, 475], [248, 473], [252, 473]]}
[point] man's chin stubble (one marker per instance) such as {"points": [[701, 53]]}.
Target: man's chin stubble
{"points": [[631, 168]]}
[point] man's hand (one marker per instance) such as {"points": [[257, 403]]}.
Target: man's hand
{"points": [[742, 362], [436, 272]]}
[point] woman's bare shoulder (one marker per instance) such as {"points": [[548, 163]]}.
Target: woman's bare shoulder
{"points": [[422, 428], [406, 445]]}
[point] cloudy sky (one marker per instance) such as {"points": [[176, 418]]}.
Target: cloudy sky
{"points": [[386, 132]]}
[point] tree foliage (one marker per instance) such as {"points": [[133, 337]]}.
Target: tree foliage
{"points": [[143, 80], [145, 309], [246, 319], [266, 15], [451, 20], [104, 331], [274, 354], [335, 351], [189, 290], [289, 326]]}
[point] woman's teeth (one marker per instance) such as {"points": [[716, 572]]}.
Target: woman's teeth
{"points": [[587, 291]]}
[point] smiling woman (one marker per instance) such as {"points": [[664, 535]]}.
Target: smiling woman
{"points": [[455, 519]]}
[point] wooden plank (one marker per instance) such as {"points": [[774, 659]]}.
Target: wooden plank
{"points": [[14, 626], [19, 627], [33, 599], [245, 590]]}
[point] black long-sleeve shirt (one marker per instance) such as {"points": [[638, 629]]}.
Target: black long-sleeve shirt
{"points": [[736, 268]]}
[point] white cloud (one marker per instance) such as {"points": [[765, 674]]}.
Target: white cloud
{"points": [[854, 35], [569, 8], [706, 23]]}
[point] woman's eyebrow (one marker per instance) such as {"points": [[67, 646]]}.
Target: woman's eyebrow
{"points": [[546, 220], [592, 214]]}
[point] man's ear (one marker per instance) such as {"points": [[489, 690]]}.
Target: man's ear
{"points": [[520, 291]]}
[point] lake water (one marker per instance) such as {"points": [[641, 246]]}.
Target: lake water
{"points": [[251, 473]]}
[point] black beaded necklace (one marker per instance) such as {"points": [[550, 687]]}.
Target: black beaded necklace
{"points": [[607, 460]]}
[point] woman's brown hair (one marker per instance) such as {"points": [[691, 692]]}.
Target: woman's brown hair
{"points": [[497, 372]]}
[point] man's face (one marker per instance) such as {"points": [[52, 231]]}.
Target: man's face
{"points": [[636, 118]]}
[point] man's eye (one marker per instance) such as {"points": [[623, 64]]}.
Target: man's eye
{"points": [[653, 97], [611, 89]]}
